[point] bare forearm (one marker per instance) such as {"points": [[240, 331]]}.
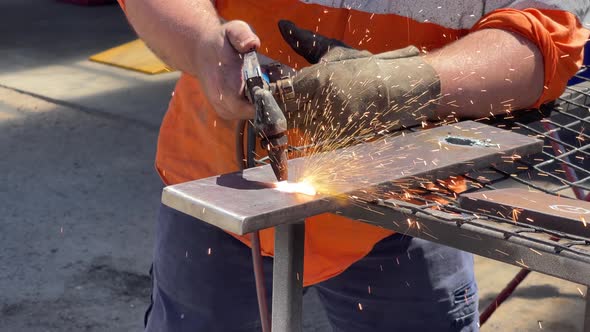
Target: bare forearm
{"points": [[188, 35], [176, 29], [488, 72]]}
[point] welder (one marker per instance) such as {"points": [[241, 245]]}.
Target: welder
{"points": [[362, 66]]}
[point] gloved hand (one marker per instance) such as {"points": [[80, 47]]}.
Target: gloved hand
{"points": [[348, 92]]}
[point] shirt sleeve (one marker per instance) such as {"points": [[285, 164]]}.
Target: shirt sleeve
{"points": [[558, 34], [122, 4]]}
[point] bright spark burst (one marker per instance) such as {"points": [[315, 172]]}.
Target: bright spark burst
{"points": [[303, 187], [515, 214], [329, 127]]}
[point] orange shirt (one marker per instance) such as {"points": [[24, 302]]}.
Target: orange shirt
{"points": [[195, 143]]}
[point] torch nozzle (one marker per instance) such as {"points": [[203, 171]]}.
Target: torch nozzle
{"points": [[277, 154], [278, 162]]}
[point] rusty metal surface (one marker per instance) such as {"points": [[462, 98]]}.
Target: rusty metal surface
{"points": [[246, 201], [535, 208]]}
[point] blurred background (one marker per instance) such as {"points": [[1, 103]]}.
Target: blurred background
{"points": [[79, 194]]}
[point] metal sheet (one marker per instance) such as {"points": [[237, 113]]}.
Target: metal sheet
{"points": [[247, 201], [535, 208]]}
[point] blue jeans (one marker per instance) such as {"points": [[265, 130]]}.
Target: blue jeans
{"points": [[203, 281]]}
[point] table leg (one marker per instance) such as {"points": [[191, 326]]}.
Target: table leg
{"points": [[587, 312], [287, 286]]}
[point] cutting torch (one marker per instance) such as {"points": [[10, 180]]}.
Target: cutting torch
{"points": [[269, 121], [270, 125]]}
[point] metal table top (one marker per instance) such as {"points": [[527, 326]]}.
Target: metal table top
{"points": [[247, 201]]}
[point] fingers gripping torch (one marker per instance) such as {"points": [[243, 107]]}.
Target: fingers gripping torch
{"points": [[271, 125]]}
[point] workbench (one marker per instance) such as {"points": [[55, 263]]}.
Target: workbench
{"points": [[510, 150]]}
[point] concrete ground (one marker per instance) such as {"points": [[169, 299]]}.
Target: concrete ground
{"points": [[79, 193]]}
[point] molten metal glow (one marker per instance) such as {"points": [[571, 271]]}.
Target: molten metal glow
{"points": [[302, 187]]}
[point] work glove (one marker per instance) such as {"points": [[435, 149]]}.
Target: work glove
{"points": [[347, 92]]}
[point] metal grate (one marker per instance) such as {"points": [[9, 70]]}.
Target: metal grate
{"points": [[562, 168]]}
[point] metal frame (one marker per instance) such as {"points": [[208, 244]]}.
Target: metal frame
{"points": [[505, 242]]}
